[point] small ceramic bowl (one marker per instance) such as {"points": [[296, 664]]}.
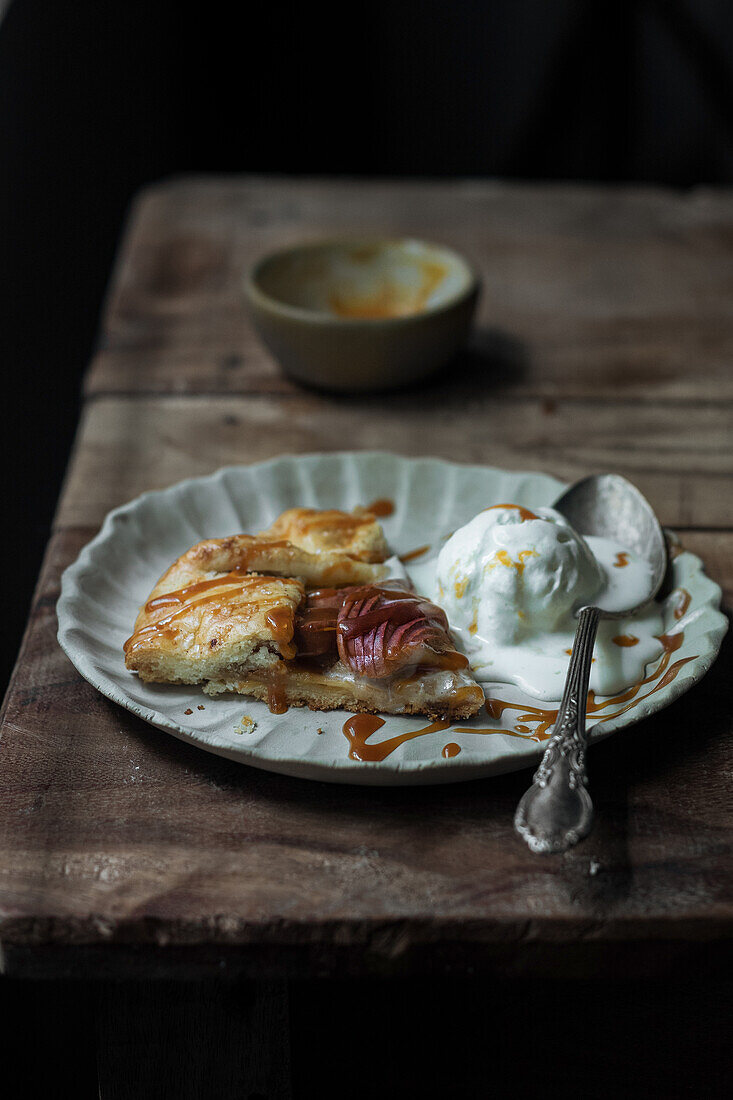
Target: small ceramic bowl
{"points": [[357, 315]]}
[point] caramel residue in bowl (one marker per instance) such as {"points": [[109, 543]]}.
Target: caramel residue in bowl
{"points": [[390, 299]]}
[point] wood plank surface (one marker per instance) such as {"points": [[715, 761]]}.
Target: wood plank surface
{"points": [[682, 462], [115, 835], [604, 343], [587, 291]]}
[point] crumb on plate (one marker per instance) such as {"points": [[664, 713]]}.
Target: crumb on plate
{"points": [[246, 725]]}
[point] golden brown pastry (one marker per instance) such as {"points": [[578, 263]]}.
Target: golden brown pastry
{"points": [[213, 624], [356, 533], [214, 611], [261, 616], [275, 556]]}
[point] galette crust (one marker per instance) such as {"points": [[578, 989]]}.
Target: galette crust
{"points": [[453, 695], [274, 556], [356, 533]]}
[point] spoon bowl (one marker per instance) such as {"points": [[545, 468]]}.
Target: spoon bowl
{"points": [[610, 506], [556, 812]]}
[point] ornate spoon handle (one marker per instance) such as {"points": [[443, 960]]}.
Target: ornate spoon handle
{"points": [[556, 812]]}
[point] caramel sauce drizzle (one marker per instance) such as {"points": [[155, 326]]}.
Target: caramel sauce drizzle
{"points": [[280, 622], [381, 507], [218, 591], [277, 702], [532, 723], [625, 640], [501, 557], [331, 521], [621, 559], [414, 554], [683, 604], [359, 728], [543, 719], [185, 595], [524, 512]]}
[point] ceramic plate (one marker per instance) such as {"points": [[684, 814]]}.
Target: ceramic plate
{"points": [[103, 590]]}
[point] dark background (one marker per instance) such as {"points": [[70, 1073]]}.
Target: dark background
{"points": [[99, 98]]}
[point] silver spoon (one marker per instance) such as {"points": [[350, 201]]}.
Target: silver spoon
{"points": [[556, 812]]}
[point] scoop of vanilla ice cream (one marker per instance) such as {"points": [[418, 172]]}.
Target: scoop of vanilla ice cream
{"points": [[511, 573]]}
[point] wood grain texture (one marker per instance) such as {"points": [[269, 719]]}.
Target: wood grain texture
{"points": [[588, 291], [682, 462], [604, 343], [114, 835]]}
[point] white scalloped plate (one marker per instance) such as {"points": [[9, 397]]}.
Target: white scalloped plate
{"points": [[102, 591]]}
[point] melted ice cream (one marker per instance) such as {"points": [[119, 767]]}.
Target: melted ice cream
{"points": [[510, 582]]}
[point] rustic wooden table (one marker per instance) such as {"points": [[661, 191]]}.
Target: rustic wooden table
{"points": [[604, 342]]}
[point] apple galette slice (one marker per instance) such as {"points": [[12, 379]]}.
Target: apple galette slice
{"points": [[262, 617], [214, 611]]}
